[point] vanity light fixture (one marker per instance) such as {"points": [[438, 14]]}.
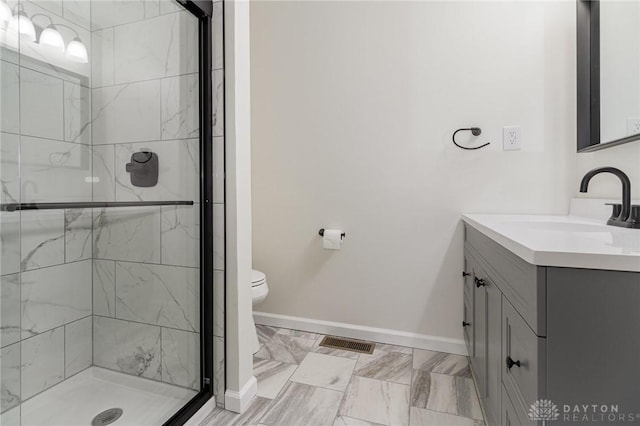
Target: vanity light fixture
{"points": [[5, 15], [76, 50], [51, 37], [21, 24]]}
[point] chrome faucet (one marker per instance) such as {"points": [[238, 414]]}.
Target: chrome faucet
{"points": [[625, 215]]}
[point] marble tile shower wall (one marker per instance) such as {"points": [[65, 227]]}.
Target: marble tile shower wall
{"points": [[45, 256], [146, 301], [114, 288]]}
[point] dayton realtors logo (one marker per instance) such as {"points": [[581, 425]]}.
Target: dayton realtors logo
{"points": [[545, 410]]}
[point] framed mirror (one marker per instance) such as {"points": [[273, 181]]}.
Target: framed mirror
{"points": [[608, 49]]}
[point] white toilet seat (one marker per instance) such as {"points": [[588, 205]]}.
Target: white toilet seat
{"points": [[257, 278]]}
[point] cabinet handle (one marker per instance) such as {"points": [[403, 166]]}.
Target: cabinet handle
{"points": [[480, 282], [465, 274], [511, 363], [464, 323]]}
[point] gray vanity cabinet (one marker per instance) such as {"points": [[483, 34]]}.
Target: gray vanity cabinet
{"points": [[571, 336]]}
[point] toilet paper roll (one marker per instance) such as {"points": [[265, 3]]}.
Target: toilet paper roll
{"points": [[332, 239]]}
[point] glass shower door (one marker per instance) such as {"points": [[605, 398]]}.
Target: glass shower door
{"points": [[100, 266]]}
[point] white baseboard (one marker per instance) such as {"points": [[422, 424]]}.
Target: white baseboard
{"points": [[381, 335], [239, 401]]}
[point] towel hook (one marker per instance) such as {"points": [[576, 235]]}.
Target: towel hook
{"points": [[475, 131]]}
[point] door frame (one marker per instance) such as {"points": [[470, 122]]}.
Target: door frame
{"points": [[203, 10]]}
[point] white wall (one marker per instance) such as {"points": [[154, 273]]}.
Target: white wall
{"points": [[353, 106], [241, 385]]}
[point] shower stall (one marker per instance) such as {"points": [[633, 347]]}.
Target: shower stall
{"points": [[106, 312]]}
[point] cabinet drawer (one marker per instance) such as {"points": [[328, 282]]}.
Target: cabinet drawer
{"points": [[522, 283], [524, 383]]}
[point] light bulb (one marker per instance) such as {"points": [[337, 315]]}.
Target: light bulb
{"points": [[23, 25], [77, 52], [5, 15], [51, 37]]}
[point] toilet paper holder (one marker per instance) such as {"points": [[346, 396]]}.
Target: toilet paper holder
{"points": [[321, 233]]}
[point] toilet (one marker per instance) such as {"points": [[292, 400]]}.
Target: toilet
{"points": [[259, 291]]}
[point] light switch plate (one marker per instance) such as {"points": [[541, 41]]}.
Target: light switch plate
{"points": [[511, 138]]}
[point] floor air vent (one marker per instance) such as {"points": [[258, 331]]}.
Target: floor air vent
{"points": [[107, 417], [348, 344]]}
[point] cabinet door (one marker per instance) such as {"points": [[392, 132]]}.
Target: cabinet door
{"points": [[467, 324], [479, 358], [509, 416], [467, 307], [493, 395]]}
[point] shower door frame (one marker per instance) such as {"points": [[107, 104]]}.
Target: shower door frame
{"points": [[203, 10]]}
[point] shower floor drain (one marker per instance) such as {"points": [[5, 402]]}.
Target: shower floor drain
{"points": [[107, 417], [348, 344]]}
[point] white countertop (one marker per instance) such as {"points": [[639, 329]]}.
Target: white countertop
{"points": [[564, 241]]}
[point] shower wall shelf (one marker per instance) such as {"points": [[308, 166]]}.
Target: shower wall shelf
{"points": [[12, 207]]}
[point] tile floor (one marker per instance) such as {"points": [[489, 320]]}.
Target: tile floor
{"points": [[303, 384]]}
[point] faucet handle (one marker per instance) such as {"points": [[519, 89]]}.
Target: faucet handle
{"points": [[634, 217], [615, 211]]}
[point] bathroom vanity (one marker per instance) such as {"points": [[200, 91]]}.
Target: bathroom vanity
{"points": [[552, 312]]}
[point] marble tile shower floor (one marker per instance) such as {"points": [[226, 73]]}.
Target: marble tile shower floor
{"points": [[79, 399], [303, 384]]}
